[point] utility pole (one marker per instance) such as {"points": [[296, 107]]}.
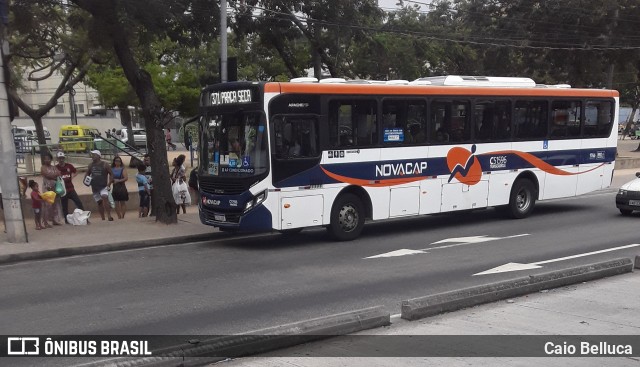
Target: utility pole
{"points": [[223, 41], [13, 219], [610, 36], [72, 102]]}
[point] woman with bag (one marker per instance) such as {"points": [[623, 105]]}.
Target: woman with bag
{"points": [[179, 184], [50, 174], [119, 191]]}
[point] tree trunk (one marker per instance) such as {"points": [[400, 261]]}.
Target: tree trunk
{"points": [[125, 116], [163, 204], [627, 126]]}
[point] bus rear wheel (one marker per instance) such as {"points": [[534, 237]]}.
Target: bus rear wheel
{"points": [[522, 199], [347, 218]]}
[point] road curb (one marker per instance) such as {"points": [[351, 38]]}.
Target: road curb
{"points": [[259, 341], [626, 163], [107, 247], [417, 308]]}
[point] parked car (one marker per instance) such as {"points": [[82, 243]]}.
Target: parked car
{"points": [[628, 197], [30, 132], [139, 137]]}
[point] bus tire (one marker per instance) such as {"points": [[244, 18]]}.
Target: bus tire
{"points": [[522, 199], [347, 218], [626, 212]]}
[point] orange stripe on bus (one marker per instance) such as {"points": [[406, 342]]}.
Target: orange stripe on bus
{"points": [[272, 88], [376, 89], [539, 163], [371, 183]]}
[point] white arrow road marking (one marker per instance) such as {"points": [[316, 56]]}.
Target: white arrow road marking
{"points": [[460, 241], [401, 252], [475, 239], [471, 240], [536, 265]]}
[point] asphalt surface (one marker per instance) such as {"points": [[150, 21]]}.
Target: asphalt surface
{"points": [[242, 284]]}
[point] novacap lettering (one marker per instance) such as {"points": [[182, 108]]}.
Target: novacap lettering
{"points": [[400, 169]]}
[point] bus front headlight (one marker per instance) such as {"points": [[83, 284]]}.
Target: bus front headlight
{"points": [[257, 200]]}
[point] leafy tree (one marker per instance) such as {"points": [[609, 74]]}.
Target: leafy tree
{"points": [[125, 26], [115, 91], [42, 45], [329, 28]]}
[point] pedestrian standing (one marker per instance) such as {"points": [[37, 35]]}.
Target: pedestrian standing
{"points": [[50, 212], [120, 193], [147, 173], [143, 191], [36, 205], [101, 174], [68, 172], [167, 137], [179, 176]]}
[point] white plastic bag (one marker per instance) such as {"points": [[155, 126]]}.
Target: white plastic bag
{"points": [[181, 194], [79, 217], [112, 203]]}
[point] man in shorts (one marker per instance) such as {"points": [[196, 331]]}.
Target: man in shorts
{"points": [[101, 175], [68, 172]]}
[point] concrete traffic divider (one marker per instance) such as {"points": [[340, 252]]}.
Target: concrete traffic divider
{"points": [[417, 308], [200, 352]]}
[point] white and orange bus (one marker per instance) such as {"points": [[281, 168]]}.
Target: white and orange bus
{"points": [[334, 153]]}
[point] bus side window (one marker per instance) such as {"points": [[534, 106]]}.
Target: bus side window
{"points": [[530, 119], [353, 123], [598, 118]]}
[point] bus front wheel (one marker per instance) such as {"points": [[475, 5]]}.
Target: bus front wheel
{"points": [[347, 218], [522, 199]]}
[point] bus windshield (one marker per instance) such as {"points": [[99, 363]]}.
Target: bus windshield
{"points": [[235, 144]]}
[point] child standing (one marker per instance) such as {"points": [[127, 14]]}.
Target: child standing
{"points": [[143, 191], [36, 205]]}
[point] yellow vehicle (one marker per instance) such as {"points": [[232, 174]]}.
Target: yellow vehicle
{"points": [[77, 138]]}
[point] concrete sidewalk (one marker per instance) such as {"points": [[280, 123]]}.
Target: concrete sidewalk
{"points": [[600, 310], [102, 236]]}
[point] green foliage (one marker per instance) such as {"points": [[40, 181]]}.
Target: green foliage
{"points": [[112, 85]]}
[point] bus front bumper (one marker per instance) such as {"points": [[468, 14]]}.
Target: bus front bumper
{"points": [[257, 219]]}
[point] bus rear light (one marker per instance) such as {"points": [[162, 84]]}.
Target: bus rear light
{"points": [[287, 206]]}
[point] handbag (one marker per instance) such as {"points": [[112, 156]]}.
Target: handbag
{"points": [[59, 187]]}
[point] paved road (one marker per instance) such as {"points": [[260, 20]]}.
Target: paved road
{"points": [[248, 283]]}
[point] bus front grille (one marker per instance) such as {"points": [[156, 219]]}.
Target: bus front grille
{"points": [[222, 188]]}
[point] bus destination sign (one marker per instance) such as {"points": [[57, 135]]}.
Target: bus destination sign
{"points": [[231, 97]]}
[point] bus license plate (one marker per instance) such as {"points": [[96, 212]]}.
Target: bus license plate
{"points": [[634, 202], [219, 217]]}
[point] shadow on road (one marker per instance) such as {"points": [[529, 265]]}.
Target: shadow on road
{"points": [[320, 237]]}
